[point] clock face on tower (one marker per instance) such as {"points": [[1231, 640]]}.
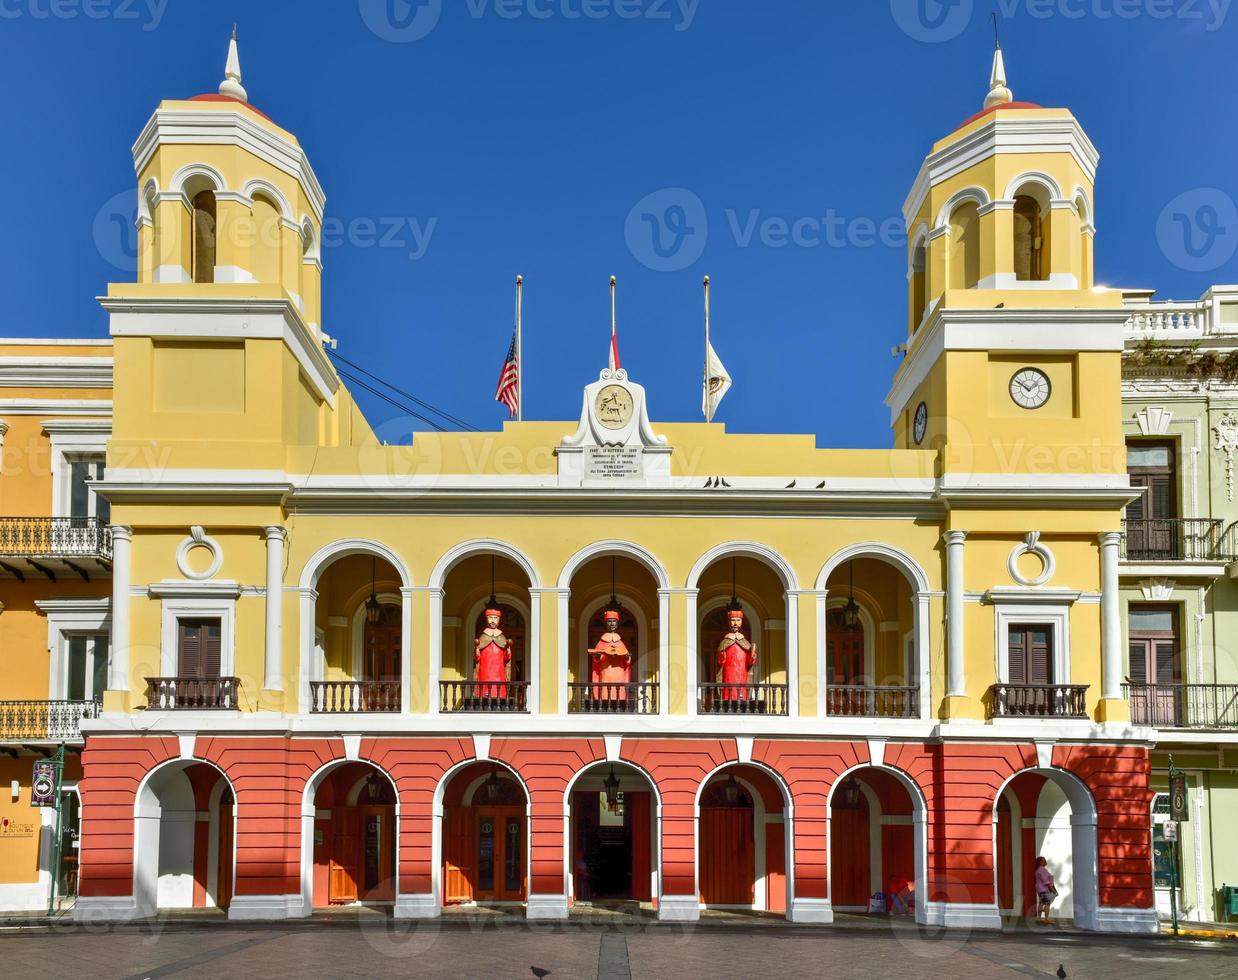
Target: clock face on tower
{"points": [[1030, 388], [920, 426]]}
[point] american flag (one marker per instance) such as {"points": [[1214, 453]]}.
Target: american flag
{"points": [[509, 381]]}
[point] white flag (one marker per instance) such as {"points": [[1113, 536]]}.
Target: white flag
{"points": [[717, 383]]}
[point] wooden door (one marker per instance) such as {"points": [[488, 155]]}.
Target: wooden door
{"points": [[1030, 654], [459, 855], [844, 651], [345, 860], [1151, 528], [499, 846], [727, 869], [199, 646], [1155, 666], [382, 647], [850, 855], [637, 811], [377, 859]]}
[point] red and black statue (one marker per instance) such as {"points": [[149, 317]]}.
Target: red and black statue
{"points": [[492, 654], [737, 655]]}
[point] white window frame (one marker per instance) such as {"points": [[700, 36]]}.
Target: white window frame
{"points": [[72, 440], [66, 617], [198, 607], [1032, 610]]}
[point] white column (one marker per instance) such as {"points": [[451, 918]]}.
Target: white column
{"points": [[275, 538], [565, 645], [310, 666], [957, 686], [694, 654], [533, 651], [664, 651], [122, 541], [406, 648], [823, 661], [791, 640], [1111, 621]]}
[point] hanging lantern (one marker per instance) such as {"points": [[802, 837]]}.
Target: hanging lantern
{"points": [[612, 789], [493, 787], [372, 606], [851, 611], [731, 790], [851, 792]]}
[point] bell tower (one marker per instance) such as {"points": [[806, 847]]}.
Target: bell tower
{"points": [[219, 342], [1012, 354]]}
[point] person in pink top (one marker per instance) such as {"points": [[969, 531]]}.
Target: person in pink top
{"points": [[1046, 890]]}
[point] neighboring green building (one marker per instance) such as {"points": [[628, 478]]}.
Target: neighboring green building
{"points": [[1179, 576]]}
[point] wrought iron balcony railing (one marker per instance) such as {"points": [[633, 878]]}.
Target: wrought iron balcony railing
{"points": [[55, 537], [354, 697], [871, 701], [1207, 706], [743, 699], [192, 693], [1038, 701], [509, 697], [45, 721], [1174, 539], [612, 699]]}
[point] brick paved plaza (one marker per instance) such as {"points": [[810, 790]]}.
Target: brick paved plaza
{"points": [[483, 949]]}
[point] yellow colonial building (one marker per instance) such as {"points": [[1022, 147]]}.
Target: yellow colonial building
{"points": [[306, 705]]}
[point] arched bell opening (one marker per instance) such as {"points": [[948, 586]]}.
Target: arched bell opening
{"points": [[743, 840], [614, 848], [485, 837], [355, 817]]}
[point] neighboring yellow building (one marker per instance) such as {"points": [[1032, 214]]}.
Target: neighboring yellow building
{"points": [[930, 659]]}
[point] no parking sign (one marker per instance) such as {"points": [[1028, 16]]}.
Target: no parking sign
{"points": [[43, 784]]}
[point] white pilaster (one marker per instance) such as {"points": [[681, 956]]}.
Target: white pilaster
{"points": [[692, 639], [272, 674], [1111, 621], [406, 648], [122, 574], [954, 612]]}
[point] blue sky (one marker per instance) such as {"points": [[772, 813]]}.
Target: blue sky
{"points": [[461, 142]]}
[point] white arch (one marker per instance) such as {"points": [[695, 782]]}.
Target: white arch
{"points": [[307, 827], [148, 200], [256, 186], [1085, 846], [918, 245], [1038, 178], [919, 819], [147, 817], [1080, 197], [910, 568], [976, 194], [751, 549], [434, 904], [788, 816], [619, 549], [311, 666], [189, 171], [311, 244], [656, 841], [481, 546]]}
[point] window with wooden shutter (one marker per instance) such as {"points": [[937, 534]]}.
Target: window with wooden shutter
{"points": [[199, 653], [1029, 652], [1152, 531], [1155, 668]]}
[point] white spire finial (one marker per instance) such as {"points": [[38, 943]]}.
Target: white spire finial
{"points": [[999, 94], [231, 85]]}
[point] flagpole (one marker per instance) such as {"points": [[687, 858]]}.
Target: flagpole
{"points": [[614, 323], [519, 349], [705, 377]]}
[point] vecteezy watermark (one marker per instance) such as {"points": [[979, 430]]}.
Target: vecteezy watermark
{"points": [[935, 21], [148, 13], [404, 21], [1198, 230], [667, 231], [411, 234], [115, 231]]}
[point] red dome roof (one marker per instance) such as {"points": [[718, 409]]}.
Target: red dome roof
{"points": [[216, 97], [1005, 105]]}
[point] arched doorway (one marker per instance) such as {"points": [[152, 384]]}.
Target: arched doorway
{"points": [[485, 837], [742, 834], [1046, 813], [354, 811], [180, 860], [873, 842], [612, 817]]}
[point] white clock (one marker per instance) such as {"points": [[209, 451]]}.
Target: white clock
{"points": [[1030, 388], [920, 426]]}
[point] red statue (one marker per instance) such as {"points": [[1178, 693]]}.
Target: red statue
{"points": [[737, 655], [493, 656], [611, 662]]}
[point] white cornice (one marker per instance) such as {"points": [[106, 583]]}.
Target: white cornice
{"points": [[223, 127], [176, 589], [56, 406], [55, 372], [1021, 330], [1003, 134], [225, 319], [74, 427]]}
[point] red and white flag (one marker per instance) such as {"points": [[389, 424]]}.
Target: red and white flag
{"points": [[508, 391]]}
